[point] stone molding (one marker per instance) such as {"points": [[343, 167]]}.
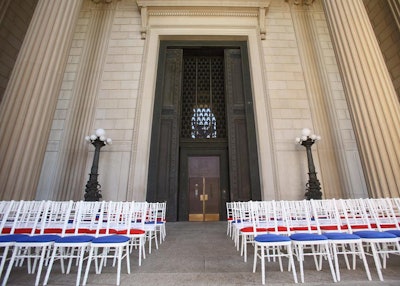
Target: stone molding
{"points": [[300, 2], [224, 8]]}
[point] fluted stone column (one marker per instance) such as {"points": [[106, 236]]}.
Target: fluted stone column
{"points": [[370, 93], [29, 102], [70, 169], [314, 74]]}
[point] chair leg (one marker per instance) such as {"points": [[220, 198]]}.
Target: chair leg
{"points": [[330, 261], [88, 266], [3, 259], [376, 260], [40, 266], [80, 265], [50, 266], [255, 258], [10, 265], [119, 250], [291, 262], [364, 259]]}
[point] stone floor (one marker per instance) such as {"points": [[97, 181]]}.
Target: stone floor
{"points": [[197, 253]]}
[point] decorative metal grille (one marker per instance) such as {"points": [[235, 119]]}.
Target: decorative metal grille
{"points": [[203, 98]]}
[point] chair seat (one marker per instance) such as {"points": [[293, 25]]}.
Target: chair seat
{"points": [[279, 228], [270, 237], [23, 230], [396, 232], [40, 238], [341, 235], [374, 234], [332, 227], [307, 236], [356, 226], [302, 228], [12, 237], [85, 230], [75, 239], [53, 230], [137, 231], [111, 239], [251, 229]]}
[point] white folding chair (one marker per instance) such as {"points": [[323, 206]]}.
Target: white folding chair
{"points": [[81, 221], [237, 223], [229, 218], [383, 215], [272, 245], [161, 221], [137, 232], [109, 245], [8, 214], [252, 215], [151, 224], [328, 223], [384, 219], [241, 215], [376, 243], [395, 203], [32, 215], [305, 239]]}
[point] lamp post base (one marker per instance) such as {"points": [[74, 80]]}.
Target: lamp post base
{"points": [[92, 192], [313, 190]]}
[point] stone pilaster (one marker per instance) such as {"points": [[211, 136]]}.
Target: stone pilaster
{"points": [[71, 174], [370, 94], [320, 101], [27, 109]]}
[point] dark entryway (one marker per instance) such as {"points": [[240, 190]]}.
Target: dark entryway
{"points": [[203, 146]]}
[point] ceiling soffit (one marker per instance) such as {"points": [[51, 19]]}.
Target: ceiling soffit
{"points": [[221, 8]]}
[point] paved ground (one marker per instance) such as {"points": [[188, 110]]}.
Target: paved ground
{"points": [[197, 253]]}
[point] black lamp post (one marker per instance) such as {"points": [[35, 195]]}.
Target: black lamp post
{"points": [[313, 187], [92, 191]]}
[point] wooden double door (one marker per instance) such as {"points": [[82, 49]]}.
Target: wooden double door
{"points": [[204, 181], [203, 146]]}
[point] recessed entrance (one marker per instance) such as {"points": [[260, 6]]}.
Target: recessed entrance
{"points": [[203, 146]]}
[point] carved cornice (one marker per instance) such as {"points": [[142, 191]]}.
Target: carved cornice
{"points": [[300, 2], [98, 1], [221, 8]]}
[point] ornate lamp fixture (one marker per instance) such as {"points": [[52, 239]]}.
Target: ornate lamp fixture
{"points": [[92, 192], [313, 187]]}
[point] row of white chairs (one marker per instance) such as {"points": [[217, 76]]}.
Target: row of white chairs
{"points": [[40, 232], [323, 229]]}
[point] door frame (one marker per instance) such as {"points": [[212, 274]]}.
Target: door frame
{"points": [[169, 189], [192, 149]]}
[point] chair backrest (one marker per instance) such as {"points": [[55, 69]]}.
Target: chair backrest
{"points": [[152, 212], [355, 214], [5, 208], [117, 218], [89, 217], [245, 213], [162, 211], [265, 214], [56, 216], [395, 202], [229, 210], [138, 215], [298, 216], [28, 216], [255, 213], [11, 219], [326, 216], [382, 213]]}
